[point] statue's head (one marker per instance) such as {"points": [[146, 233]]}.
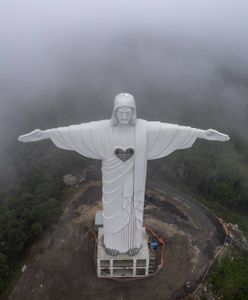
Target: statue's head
{"points": [[124, 111]]}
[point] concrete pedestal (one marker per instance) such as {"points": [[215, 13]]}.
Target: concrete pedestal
{"points": [[122, 265]]}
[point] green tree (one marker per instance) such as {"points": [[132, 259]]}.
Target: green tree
{"points": [[4, 270]]}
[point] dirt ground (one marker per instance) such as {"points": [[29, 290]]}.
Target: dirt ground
{"points": [[63, 267]]}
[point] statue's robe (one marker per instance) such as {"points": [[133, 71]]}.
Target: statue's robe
{"points": [[123, 187]]}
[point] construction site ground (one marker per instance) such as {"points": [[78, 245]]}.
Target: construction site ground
{"points": [[62, 265]]}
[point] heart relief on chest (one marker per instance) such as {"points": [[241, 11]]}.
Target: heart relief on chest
{"points": [[122, 154]]}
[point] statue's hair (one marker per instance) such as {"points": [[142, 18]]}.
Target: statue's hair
{"points": [[114, 119]]}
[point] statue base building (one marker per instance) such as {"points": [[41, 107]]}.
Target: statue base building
{"points": [[123, 265]]}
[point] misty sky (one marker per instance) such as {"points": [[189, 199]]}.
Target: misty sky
{"points": [[172, 55]]}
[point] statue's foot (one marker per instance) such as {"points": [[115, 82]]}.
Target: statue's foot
{"points": [[112, 252], [133, 251]]}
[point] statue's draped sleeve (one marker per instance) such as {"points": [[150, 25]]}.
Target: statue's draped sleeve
{"points": [[164, 138], [84, 138]]}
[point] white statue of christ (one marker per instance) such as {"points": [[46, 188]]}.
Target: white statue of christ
{"points": [[124, 144]]}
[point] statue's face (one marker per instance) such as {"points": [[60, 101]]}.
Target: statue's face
{"points": [[124, 115]]}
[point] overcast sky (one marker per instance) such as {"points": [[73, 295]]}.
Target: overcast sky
{"points": [[167, 53]]}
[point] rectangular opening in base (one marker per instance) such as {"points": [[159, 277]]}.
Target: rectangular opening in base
{"points": [[105, 272], [141, 263], [123, 263], [140, 272], [123, 272], [104, 263]]}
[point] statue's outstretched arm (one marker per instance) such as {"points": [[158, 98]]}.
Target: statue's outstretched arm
{"points": [[213, 135], [33, 136], [84, 138]]}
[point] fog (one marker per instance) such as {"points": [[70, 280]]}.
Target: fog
{"points": [[62, 62]]}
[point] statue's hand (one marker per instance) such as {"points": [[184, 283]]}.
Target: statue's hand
{"points": [[33, 136], [214, 135]]}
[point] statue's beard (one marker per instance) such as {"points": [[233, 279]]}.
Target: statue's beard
{"points": [[115, 121], [124, 122]]}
